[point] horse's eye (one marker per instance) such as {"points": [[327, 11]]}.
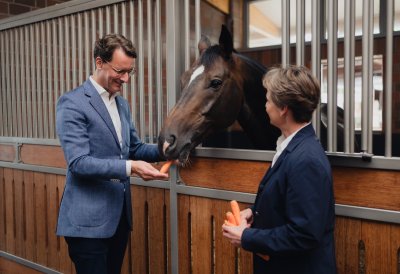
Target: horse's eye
{"points": [[216, 83]]}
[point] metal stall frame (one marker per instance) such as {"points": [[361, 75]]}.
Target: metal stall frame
{"points": [[175, 63]]}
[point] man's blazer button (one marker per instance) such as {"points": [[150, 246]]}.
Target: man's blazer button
{"points": [[256, 213]]}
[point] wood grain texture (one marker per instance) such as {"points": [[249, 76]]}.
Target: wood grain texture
{"points": [[235, 175], [138, 243], [347, 236], [11, 267], [51, 156], [2, 211], [377, 241], [7, 153], [367, 187]]}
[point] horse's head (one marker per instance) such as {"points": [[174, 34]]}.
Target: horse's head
{"points": [[211, 99]]}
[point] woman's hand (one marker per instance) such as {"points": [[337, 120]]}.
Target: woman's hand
{"points": [[234, 233], [247, 215]]}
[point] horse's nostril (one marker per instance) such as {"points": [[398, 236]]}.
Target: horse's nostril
{"points": [[171, 140]]}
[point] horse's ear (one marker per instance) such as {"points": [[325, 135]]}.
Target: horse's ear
{"points": [[226, 41], [203, 44]]}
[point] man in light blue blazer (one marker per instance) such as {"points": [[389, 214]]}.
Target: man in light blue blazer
{"points": [[102, 150]]}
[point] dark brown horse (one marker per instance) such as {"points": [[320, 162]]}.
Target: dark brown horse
{"points": [[221, 87]]}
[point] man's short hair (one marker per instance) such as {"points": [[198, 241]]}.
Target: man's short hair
{"points": [[105, 47]]}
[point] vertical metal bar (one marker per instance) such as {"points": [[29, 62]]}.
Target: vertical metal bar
{"points": [[67, 56], [61, 54], [133, 85], [285, 32], [3, 115], [73, 48], [8, 85], [123, 17], [50, 80], [150, 70], [101, 29], [28, 47], [142, 127], [371, 74], [116, 16], [87, 46], [39, 126], [33, 80], [23, 42], [349, 54], [13, 112], [91, 44], [79, 49], [365, 75], [44, 91], [316, 55], [54, 37], [173, 68], [186, 15], [388, 78], [108, 19], [197, 23], [332, 74], [159, 65], [18, 47], [300, 29]]}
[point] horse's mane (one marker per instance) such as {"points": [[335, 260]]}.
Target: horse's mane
{"points": [[258, 66]]}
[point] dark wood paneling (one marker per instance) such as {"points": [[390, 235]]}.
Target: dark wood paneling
{"points": [[235, 175], [11, 267], [347, 236], [367, 187], [51, 156]]}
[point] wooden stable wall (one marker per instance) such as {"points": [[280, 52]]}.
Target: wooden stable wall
{"points": [[29, 204]]}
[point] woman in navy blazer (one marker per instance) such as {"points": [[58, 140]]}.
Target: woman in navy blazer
{"points": [[292, 219]]}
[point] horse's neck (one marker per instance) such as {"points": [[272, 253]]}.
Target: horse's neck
{"points": [[253, 117]]}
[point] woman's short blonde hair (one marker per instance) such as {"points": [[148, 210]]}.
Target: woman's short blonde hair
{"points": [[294, 87]]}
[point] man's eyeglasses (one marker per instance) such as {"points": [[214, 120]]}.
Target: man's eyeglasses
{"points": [[121, 72]]}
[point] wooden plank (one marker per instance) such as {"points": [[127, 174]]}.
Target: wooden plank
{"points": [[19, 213], [377, 241], [201, 235], [156, 231], [9, 209], [52, 212], [29, 225], [66, 265], [184, 234], [11, 267], [224, 250], [40, 206], [347, 237], [235, 175], [394, 249], [2, 211], [7, 153], [168, 226], [139, 246], [42, 155], [352, 185]]}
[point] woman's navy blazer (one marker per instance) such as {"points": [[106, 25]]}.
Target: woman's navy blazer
{"points": [[293, 214]]}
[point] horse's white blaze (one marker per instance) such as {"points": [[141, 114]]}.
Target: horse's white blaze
{"points": [[196, 73], [165, 146]]}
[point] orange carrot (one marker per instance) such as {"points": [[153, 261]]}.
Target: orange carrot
{"points": [[226, 222], [236, 211], [166, 166], [230, 218], [264, 256]]}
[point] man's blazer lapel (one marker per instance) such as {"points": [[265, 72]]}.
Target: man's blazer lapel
{"points": [[98, 104]]}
